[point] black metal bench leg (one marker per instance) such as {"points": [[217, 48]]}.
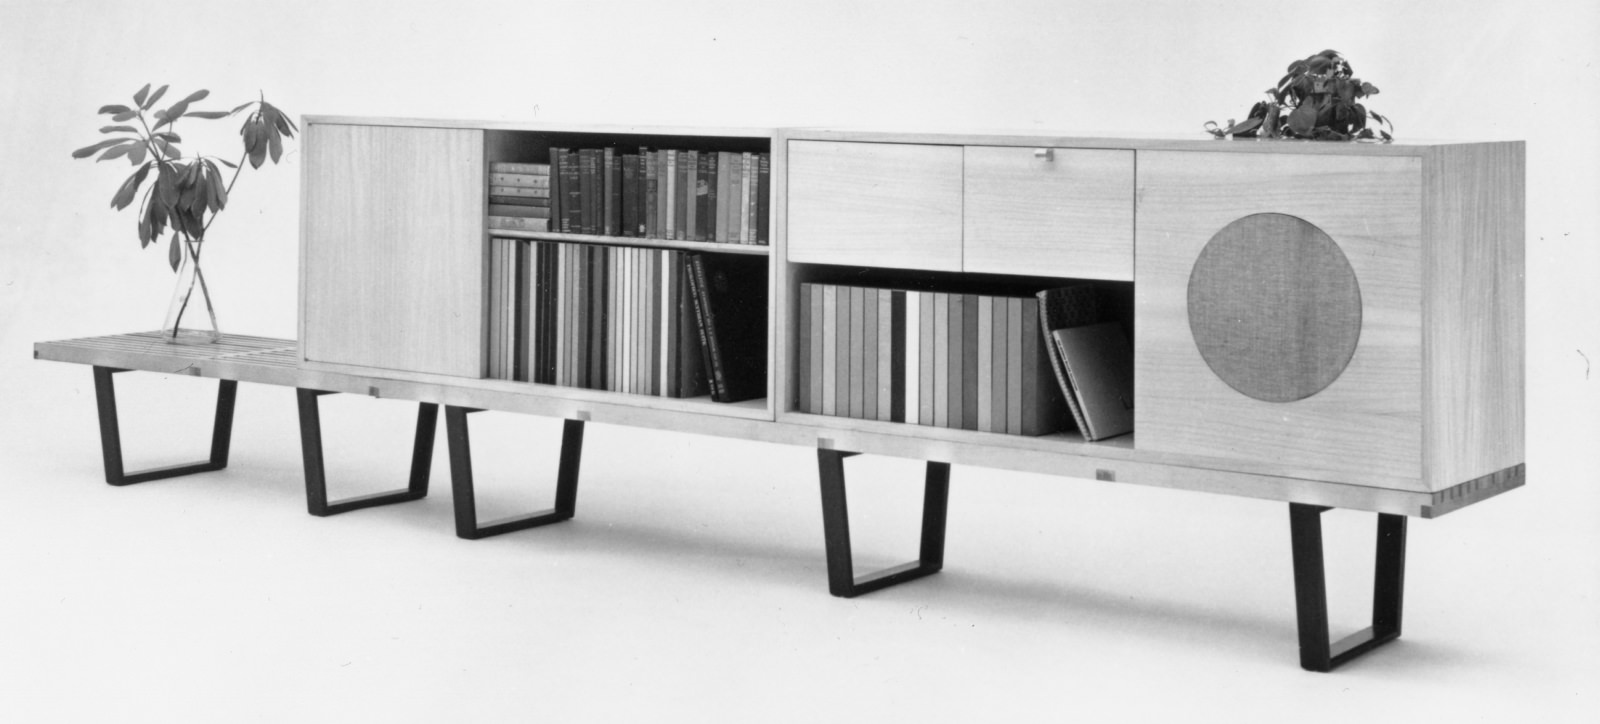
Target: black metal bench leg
{"points": [[105, 394], [1311, 595], [317, 502], [467, 526], [842, 580]]}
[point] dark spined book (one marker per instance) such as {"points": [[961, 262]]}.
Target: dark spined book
{"points": [[731, 304]]}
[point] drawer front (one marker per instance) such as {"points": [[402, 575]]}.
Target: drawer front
{"points": [[1049, 212], [1278, 312], [875, 204]]}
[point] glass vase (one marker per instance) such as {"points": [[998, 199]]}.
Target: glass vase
{"points": [[190, 318]]}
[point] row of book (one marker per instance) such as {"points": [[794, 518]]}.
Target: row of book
{"points": [[625, 319], [519, 196], [683, 195], [964, 361], [967, 361]]}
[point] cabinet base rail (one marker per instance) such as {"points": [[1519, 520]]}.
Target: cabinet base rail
{"points": [[317, 502], [467, 526], [105, 395], [842, 580], [1311, 594]]}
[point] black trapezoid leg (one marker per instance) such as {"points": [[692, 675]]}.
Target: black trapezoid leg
{"points": [[105, 394], [1317, 653], [842, 580], [461, 483], [317, 502]]}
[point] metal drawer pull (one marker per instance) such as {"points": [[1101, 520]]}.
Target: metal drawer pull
{"points": [[1048, 154]]}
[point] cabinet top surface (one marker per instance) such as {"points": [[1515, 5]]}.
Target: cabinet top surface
{"points": [[1010, 137]]}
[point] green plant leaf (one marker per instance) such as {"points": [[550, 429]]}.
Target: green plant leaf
{"points": [[170, 150], [118, 129], [173, 113], [174, 253], [1245, 126], [118, 151], [209, 115], [241, 107], [275, 145], [107, 110], [195, 96], [156, 96], [227, 163], [124, 116], [219, 191], [1369, 89], [167, 191], [129, 188], [136, 156], [1303, 119], [92, 149], [169, 137], [138, 98]]}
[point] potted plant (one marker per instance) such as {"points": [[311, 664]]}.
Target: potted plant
{"points": [[1319, 98], [184, 193]]}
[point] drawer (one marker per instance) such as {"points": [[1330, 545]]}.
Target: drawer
{"points": [[1049, 212], [875, 204]]}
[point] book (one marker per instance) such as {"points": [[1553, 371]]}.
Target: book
{"points": [[731, 304], [557, 187], [591, 201], [538, 169], [519, 201], [1099, 365], [763, 202], [1064, 307], [630, 195], [752, 165], [518, 223], [741, 210], [528, 212], [691, 194], [735, 176], [708, 217], [610, 195], [519, 180], [529, 192], [571, 195], [651, 182], [669, 226]]}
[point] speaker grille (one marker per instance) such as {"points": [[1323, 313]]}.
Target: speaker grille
{"points": [[1274, 307]]}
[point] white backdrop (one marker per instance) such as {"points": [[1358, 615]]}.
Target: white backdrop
{"points": [[691, 585]]}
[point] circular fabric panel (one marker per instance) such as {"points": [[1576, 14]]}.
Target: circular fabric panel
{"points": [[1274, 307]]}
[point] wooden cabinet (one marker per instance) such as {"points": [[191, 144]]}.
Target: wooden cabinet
{"points": [[1300, 317], [1062, 212], [392, 248]]}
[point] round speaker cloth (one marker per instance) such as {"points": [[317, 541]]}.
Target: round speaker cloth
{"points": [[1274, 307]]}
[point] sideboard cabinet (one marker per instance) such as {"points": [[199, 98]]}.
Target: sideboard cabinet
{"points": [[1326, 325]]}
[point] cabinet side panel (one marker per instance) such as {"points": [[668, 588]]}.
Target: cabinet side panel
{"points": [[393, 251], [1474, 336]]}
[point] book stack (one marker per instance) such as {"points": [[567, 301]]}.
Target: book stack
{"points": [[673, 194], [519, 196], [964, 361], [596, 317], [1092, 358]]}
